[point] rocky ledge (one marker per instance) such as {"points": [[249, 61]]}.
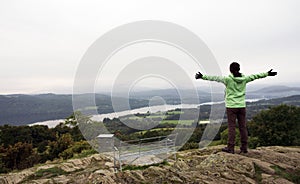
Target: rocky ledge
{"points": [[274, 164]]}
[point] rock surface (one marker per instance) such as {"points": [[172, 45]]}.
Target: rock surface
{"points": [[263, 165]]}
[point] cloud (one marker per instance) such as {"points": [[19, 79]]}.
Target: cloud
{"points": [[46, 40]]}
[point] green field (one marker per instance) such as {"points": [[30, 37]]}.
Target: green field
{"points": [[148, 117], [182, 122], [162, 115], [174, 122], [155, 129], [174, 112]]}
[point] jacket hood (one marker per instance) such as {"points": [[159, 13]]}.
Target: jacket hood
{"points": [[237, 79]]}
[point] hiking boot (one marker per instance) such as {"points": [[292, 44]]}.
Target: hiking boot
{"points": [[243, 151], [227, 150]]}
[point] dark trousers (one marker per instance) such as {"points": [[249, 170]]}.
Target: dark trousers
{"points": [[238, 114]]}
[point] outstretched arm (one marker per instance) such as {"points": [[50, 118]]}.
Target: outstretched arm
{"points": [[261, 75], [210, 78]]}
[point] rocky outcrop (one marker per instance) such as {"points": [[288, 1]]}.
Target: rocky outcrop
{"points": [[262, 165]]}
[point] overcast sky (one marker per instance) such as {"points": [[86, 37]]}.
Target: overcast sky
{"points": [[42, 42]]}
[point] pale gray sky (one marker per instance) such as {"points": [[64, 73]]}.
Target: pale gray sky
{"points": [[42, 42]]}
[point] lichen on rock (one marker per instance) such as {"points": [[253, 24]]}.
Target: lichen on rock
{"points": [[263, 165]]}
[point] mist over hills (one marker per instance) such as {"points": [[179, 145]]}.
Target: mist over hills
{"points": [[20, 109], [274, 92]]}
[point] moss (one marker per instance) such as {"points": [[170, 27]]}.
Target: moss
{"points": [[133, 167], [215, 143], [47, 173], [291, 175], [85, 153], [258, 174]]}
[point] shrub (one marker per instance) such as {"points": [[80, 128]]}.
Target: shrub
{"points": [[277, 126], [224, 137]]}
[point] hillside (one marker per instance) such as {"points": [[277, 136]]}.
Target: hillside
{"points": [[275, 91], [262, 165], [20, 109]]}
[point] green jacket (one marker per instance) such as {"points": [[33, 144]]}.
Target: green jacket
{"points": [[235, 88]]}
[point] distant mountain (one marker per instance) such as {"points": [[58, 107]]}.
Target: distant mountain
{"points": [[23, 109], [275, 91], [205, 95], [19, 109], [290, 100], [174, 96]]}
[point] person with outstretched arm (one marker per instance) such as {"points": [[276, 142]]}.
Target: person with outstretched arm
{"points": [[235, 103]]}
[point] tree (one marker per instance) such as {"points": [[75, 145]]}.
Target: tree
{"points": [[40, 136], [78, 147], [19, 156], [56, 147], [277, 126], [10, 135]]}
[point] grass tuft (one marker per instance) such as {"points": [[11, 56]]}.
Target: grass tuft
{"points": [[258, 174], [134, 167]]}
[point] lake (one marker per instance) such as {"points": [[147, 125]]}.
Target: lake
{"points": [[152, 109]]}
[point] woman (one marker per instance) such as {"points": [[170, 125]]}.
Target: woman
{"points": [[235, 102]]}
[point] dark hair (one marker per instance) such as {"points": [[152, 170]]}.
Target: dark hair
{"points": [[234, 69]]}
